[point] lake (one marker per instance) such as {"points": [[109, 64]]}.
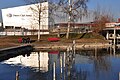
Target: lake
{"points": [[84, 64]]}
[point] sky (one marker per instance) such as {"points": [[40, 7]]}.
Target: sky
{"points": [[111, 5]]}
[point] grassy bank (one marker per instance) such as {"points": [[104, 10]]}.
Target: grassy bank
{"points": [[9, 41]]}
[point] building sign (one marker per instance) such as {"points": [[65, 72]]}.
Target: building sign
{"points": [[18, 15]]}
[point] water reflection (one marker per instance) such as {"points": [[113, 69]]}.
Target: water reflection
{"points": [[36, 60], [92, 64]]}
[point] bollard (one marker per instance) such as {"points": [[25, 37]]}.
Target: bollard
{"points": [[17, 75]]}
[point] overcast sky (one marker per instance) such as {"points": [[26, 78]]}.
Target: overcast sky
{"points": [[112, 5]]}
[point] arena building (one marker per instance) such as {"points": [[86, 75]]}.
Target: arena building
{"points": [[25, 18]]}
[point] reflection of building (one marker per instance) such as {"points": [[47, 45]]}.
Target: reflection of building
{"points": [[44, 62], [36, 60]]}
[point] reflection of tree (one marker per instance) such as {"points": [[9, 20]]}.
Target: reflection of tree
{"points": [[69, 61], [100, 63], [54, 66], [71, 72], [78, 75], [37, 76]]}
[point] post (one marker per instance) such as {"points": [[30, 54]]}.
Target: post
{"points": [[58, 32], [107, 35], [61, 64], [74, 48], [64, 60], [74, 45], [17, 75], [54, 71], [14, 30], [114, 40], [5, 32], [114, 35], [39, 60], [64, 63]]}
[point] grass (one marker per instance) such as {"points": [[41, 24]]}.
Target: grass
{"points": [[9, 41], [82, 36], [62, 36]]}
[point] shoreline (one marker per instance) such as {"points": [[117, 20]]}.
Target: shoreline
{"points": [[65, 46]]}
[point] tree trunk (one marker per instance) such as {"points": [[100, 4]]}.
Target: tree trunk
{"points": [[39, 21]]}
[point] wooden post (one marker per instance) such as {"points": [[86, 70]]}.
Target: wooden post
{"points": [[54, 71], [114, 41], [74, 46], [64, 60], [61, 64], [17, 75], [14, 30], [114, 49], [107, 35], [58, 31]]}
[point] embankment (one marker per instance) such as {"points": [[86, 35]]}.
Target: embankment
{"points": [[13, 51]]}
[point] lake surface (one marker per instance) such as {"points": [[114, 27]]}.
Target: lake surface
{"points": [[95, 64]]}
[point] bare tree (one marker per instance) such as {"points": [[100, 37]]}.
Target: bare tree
{"points": [[75, 9], [39, 12], [101, 16]]}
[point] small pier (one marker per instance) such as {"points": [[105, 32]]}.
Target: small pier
{"points": [[7, 53]]}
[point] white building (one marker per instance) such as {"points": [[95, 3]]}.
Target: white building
{"points": [[26, 17], [112, 24]]}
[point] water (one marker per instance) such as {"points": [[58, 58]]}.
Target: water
{"points": [[62, 65]]}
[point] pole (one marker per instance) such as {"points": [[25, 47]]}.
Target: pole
{"points": [[64, 62], [114, 35], [114, 41], [17, 75], [14, 30], [58, 31], [54, 71], [61, 64]]}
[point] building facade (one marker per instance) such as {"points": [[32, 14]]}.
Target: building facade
{"points": [[112, 32], [27, 18]]}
